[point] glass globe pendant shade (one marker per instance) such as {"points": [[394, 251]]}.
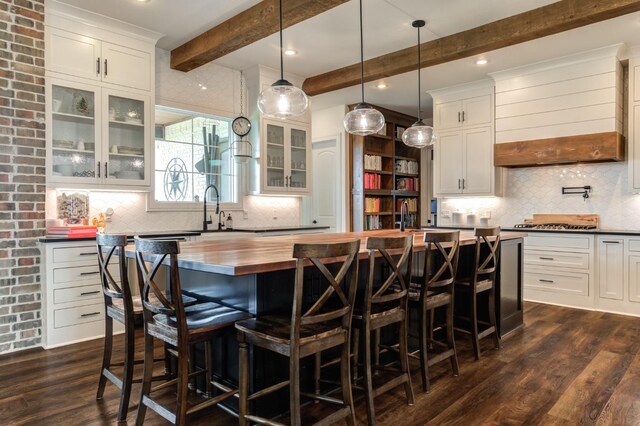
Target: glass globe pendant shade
{"points": [[419, 135], [363, 120], [282, 100]]}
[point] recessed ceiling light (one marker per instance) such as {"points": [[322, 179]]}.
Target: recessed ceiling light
{"points": [[290, 52], [381, 86], [143, 1], [481, 62]]}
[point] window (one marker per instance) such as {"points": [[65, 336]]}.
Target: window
{"points": [[191, 153]]}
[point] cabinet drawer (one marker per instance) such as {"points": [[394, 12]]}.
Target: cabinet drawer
{"points": [[559, 241], [78, 315], [634, 245], [558, 282], [75, 294], [88, 254], [83, 274], [556, 259]]}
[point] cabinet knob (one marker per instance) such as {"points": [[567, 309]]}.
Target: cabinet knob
{"points": [[98, 66], [105, 68]]}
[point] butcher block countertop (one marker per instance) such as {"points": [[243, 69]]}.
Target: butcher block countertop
{"points": [[247, 256]]}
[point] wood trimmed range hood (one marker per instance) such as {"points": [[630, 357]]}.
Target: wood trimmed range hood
{"points": [[592, 148]]}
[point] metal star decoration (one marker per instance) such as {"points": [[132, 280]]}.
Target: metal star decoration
{"points": [[176, 180]]}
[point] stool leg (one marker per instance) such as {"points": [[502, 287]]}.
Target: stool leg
{"points": [[127, 378], [183, 381], [368, 373], [294, 387], [355, 354], [345, 379], [492, 317], [146, 378], [106, 356], [243, 382], [423, 334], [451, 342], [208, 364], [192, 362], [474, 324], [317, 372], [376, 350], [404, 361]]}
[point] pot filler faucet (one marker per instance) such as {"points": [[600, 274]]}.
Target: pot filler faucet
{"points": [[208, 221]]}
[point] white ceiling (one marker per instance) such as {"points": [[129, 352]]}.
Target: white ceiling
{"points": [[331, 40]]}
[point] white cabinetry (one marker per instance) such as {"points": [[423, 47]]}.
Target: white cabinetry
{"points": [[282, 149], [463, 121], [633, 145], [611, 268], [73, 300], [100, 76]]}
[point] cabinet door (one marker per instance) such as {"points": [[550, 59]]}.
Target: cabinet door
{"points": [[73, 141], [449, 163], [636, 82], [611, 268], [478, 161], [299, 160], [274, 158], [126, 138], [477, 111], [126, 67], [72, 54], [448, 115], [634, 278], [634, 160]]}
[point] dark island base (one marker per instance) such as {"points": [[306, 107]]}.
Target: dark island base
{"points": [[272, 293]]}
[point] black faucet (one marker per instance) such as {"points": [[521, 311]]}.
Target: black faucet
{"points": [[220, 225], [208, 221], [404, 206]]}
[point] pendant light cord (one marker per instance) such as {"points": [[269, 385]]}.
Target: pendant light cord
{"points": [[361, 55], [419, 88], [281, 60]]}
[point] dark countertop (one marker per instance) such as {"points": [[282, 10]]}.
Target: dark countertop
{"points": [[177, 234], [601, 231]]}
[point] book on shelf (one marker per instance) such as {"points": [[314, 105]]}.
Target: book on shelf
{"points": [[372, 204], [372, 162], [408, 184], [372, 222], [407, 166], [372, 181], [412, 202]]}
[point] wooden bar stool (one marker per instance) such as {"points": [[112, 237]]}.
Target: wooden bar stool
{"points": [[309, 330], [169, 321], [120, 306], [384, 306], [482, 279], [436, 290]]}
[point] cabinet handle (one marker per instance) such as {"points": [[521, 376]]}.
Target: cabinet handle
{"points": [[459, 185], [547, 258], [546, 281], [87, 254], [92, 314], [82, 274], [463, 180], [286, 179], [106, 170], [98, 66], [458, 116], [105, 68], [98, 169], [87, 293], [611, 242]]}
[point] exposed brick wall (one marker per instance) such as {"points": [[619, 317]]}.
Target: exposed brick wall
{"points": [[22, 171]]}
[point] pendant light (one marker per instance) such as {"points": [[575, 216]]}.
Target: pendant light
{"points": [[419, 135], [282, 99], [363, 120]]}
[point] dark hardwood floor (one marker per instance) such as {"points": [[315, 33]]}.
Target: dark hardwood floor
{"points": [[566, 366]]}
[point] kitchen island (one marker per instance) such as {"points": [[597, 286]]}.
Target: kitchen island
{"points": [[257, 275]]}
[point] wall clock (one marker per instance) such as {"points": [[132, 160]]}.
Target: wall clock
{"points": [[241, 126]]}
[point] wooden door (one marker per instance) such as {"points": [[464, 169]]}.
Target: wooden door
{"points": [[611, 268], [478, 161], [326, 184]]}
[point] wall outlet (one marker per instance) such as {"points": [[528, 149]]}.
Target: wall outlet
{"points": [[486, 214], [275, 214], [445, 214], [245, 214]]}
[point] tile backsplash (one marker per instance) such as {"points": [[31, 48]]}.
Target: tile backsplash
{"points": [[130, 215], [539, 190]]}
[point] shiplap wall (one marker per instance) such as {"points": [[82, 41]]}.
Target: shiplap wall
{"points": [[569, 96]]}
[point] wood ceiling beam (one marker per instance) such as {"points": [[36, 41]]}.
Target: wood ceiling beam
{"points": [[537, 23], [247, 27]]}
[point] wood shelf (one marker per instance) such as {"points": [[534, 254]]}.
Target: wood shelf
{"points": [[379, 172], [382, 192], [378, 213], [403, 193], [407, 174], [398, 157], [378, 154]]}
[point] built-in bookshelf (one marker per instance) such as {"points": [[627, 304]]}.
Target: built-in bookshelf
{"points": [[385, 172]]}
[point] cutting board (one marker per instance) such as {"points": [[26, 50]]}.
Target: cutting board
{"points": [[570, 219]]}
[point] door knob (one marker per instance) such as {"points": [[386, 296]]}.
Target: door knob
{"points": [[314, 222]]}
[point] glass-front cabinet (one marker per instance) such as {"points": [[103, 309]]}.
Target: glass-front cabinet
{"points": [[98, 136], [285, 158]]}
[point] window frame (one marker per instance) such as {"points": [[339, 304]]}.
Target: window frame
{"points": [[193, 206]]}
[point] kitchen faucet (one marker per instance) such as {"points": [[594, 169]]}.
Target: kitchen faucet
{"points": [[208, 221], [220, 221], [403, 207]]}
